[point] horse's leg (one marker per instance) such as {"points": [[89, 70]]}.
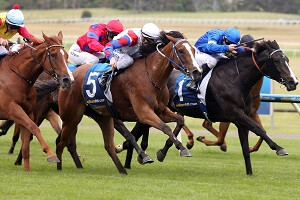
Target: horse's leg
{"points": [[5, 126], [243, 136], [107, 126], [169, 116], [18, 115], [143, 158], [53, 118], [223, 128], [244, 120], [190, 135], [25, 137], [15, 139]]}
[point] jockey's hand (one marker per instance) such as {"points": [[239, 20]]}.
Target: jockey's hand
{"points": [[3, 42], [113, 62], [232, 48]]}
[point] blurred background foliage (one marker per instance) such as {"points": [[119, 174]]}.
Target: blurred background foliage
{"points": [[279, 6]]}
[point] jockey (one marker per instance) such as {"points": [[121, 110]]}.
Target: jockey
{"points": [[11, 23], [125, 47], [89, 47], [212, 46]]}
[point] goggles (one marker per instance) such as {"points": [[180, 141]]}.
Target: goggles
{"points": [[111, 34], [227, 41], [10, 26]]}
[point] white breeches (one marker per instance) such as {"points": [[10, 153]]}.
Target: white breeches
{"points": [[79, 57], [210, 60], [3, 51]]}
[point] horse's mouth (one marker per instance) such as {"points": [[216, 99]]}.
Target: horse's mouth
{"points": [[291, 85], [196, 75], [65, 82]]}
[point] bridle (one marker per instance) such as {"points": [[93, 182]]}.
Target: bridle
{"points": [[181, 66], [52, 73]]}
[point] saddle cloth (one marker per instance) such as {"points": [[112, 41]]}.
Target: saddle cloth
{"points": [[188, 101]]}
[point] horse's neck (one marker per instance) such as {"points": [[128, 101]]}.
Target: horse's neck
{"points": [[29, 66], [158, 67], [249, 74]]}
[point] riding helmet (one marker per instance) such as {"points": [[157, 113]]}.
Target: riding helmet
{"points": [[115, 26], [150, 30], [15, 16], [233, 35]]}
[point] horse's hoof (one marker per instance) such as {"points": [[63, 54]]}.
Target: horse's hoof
{"points": [[123, 171], [18, 163], [185, 153], [200, 138], [53, 159], [282, 152], [160, 156], [223, 148], [119, 148], [146, 159], [189, 145]]}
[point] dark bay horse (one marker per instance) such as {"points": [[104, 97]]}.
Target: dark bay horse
{"points": [[18, 73], [229, 100], [223, 126], [139, 94]]}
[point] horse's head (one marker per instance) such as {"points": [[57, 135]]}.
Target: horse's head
{"points": [[55, 62], [183, 57], [277, 64]]}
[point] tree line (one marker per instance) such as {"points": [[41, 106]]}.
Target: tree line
{"points": [[280, 6]]}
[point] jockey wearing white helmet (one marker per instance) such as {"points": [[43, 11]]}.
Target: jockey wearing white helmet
{"points": [[125, 46], [11, 23]]}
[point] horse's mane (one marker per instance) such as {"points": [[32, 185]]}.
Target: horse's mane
{"points": [[261, 46], [163, 40]]}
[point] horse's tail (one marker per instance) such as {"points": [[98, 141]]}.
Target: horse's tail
{"points": [[44, 88]]}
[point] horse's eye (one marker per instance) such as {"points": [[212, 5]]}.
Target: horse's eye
{"points": [[276, 60], [53, 55], [180, 51]]}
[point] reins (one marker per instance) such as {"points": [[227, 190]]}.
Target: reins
{"points": [[181, 66], [53, 73]]}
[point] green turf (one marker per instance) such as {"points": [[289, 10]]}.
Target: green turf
{"points": [[209, 174]]}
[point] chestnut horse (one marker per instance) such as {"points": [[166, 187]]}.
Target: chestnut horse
{"points": [[18, 73], [229, 100], [139, 93]]}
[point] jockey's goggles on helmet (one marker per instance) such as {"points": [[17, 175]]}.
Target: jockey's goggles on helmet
{"points": [[150, 40], [111, 34], [10, 26], [227, 41]]}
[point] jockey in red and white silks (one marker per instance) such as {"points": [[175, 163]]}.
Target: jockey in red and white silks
{"points": [[89, 47], [125, 47]]}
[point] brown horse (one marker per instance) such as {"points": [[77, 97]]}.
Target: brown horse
{"points": [[18, 73], [139, 94], [223, 126]]}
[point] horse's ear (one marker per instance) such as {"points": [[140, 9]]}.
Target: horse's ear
{"points": [[45, 37], [170, 38], [60, 36]]}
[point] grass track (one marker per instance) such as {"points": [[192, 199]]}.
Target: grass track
{"points": [[209, 174]]}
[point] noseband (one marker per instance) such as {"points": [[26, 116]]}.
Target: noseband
{"points": [[181, 66], [269, 59]]}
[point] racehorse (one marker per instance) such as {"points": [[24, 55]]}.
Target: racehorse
{"points": [[139, 94], [18, 73], [223, 126], [229, 100]]}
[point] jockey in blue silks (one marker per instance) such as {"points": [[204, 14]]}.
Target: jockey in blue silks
{"points": [[212, 46]]}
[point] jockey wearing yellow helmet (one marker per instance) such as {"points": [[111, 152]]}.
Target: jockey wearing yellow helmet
{"points": [[11, 23]]}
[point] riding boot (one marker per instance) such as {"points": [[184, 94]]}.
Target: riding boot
{"points": [[103, 79], [205, 69]]}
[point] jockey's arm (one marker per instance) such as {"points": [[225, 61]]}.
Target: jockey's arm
{"points": [[24, 33], [93, 40], [116, 44]]}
